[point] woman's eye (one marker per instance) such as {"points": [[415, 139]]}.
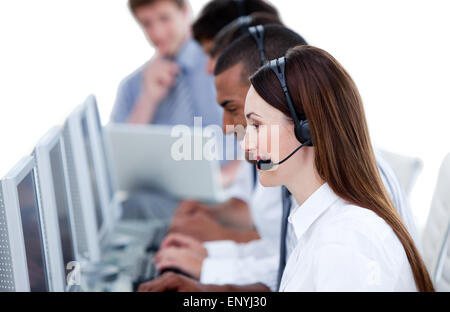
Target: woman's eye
{"points": [[255, 126]]}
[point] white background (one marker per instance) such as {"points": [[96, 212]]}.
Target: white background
{"points": [[54, 53]]}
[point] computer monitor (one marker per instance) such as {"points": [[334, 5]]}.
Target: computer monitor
{"points": [[95, 182], [24, 260], [100, 161], [56, 203], [82, 186], [96, 130]]}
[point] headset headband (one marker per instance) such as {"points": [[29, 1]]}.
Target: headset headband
{"points": [[279, 68], [240, 7], [245, 21], [257, 33]]}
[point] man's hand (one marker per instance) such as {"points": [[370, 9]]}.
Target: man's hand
{"points": [[172, 282], [200, 226], [190, 207], [159, 76], [204, 228], [186, 242], [181, 259]]}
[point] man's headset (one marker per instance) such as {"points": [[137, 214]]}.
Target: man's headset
{"points": [[240, 7], [257, 33], [301, 127], [245, 21]]}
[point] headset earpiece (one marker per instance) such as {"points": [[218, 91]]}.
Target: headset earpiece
{"points": [[303, 132]]}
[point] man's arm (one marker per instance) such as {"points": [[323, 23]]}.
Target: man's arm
{"points": [[234, 212], [238, 288], [143, 111], [175, 282], [203, 227]]}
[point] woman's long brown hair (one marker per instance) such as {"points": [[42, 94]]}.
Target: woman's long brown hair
{"points": [[322, 90]]}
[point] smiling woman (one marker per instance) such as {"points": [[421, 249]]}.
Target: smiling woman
{"points": [[343, 205]]}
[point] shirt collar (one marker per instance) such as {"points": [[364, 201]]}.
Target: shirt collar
{"points": [[302, 217], [188, 55]]}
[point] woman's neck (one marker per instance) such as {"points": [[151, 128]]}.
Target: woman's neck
{"points": [[303, 185]]}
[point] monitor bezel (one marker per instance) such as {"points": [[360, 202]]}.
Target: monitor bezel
{"points": [[82, 178], [46, 186], [100, 168], [15, 230]]}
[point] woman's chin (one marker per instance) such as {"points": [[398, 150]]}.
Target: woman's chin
{"points": [[266, 179]]}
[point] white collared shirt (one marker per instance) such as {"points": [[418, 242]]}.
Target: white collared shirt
{"points": [[257, 261], [343, 247]]}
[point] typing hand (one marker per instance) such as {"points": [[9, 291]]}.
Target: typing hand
{"points": [[181, 259], [190, 207], [172, 282], [200, 226], [186, 242]]}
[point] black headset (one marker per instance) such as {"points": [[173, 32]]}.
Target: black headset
{"points": [[240, 7], [301, 127], [257, 33], [244, 21]]}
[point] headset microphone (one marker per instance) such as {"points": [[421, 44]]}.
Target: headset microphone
{"points": [[267, 164]]}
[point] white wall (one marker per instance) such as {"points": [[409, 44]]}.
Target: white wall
{"points": [[53, 53]]}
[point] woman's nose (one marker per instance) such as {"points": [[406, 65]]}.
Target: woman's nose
{"points": [[248, 144]]}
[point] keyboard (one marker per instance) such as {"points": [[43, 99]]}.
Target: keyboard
{"points": [[146, 269]]}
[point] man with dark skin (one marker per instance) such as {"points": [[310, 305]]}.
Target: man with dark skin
{"points": [[195, 218], [230, 220]]}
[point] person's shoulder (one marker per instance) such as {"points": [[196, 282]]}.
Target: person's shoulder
{"points": [[361, 234], [134, 77], [197, 57], [354, 225]]}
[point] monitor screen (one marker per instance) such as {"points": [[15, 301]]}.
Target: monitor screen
{"points": [[93, 176], [32, 234], [62, 205]]}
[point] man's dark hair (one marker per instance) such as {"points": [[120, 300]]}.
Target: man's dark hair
{"points": [[136, 4], [219, 13], [277, 41], [239, 27]]}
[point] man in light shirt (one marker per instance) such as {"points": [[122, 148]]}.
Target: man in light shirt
{"points": [[172, 87], [225, 262]]}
